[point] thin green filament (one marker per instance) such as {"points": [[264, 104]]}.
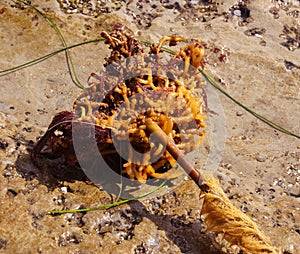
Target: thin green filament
{"points": [[68, 55], [104, 207]]}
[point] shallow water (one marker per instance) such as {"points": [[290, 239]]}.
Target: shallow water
{"points": [[252, 49]]}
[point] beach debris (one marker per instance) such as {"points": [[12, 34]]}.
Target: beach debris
{"points": [[105, 107], [134, 87]]}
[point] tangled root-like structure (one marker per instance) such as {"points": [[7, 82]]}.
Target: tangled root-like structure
{"points": [[134, 87]]}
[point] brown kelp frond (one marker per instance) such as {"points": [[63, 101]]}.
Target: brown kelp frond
{"points": [[222, 217]]}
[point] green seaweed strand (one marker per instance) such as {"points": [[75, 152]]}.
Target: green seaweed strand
{"points": [[103, 207], [260, 117], [68, 55], [42, 58]]}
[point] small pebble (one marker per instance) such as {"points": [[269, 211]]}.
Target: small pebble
{"points": [[11, 193], [295, 191], [290, 65], [237, 13], [263, 43], [64, 190], [255, 31], [3, 144], [260, 158]]}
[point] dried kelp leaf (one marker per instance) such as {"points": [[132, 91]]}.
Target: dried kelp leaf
{"points": [[222, 217]]}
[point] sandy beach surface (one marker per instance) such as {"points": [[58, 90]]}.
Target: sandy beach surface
{"points": [[253, 51]]}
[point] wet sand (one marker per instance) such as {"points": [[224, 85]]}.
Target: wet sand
{"points": [[253, 50]]}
